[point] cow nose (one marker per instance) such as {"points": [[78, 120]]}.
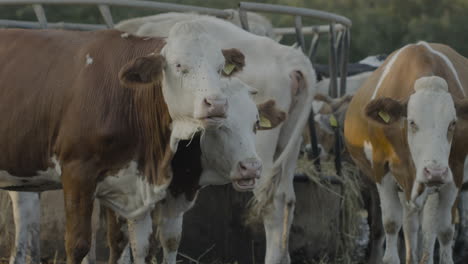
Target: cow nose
{"points": [[435, 176], [216, 106], [251, 168]]}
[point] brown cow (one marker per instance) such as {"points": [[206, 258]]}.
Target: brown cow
{"points": [[80, 106], [399, 130]]}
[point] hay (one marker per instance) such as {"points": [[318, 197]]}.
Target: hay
{"points": [[348, 248]]}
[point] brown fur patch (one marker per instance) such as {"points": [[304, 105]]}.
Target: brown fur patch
{"points": [[322, 98], [269, 111], [390, 227], [462, 109], [445, 236], [172, 244], [143, 71], [236, 57], [392, 107]]}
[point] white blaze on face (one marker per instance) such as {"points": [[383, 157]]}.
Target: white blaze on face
{"points": [[192, 73], [225, 147], [431, 118]]}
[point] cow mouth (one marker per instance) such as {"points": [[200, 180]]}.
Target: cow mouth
{"points": [[213, 120], [435, 183], [243, 185]]}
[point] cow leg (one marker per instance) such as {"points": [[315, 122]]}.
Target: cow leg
{"points": [[410, 230], [79, 185], [116, 239], [391, 217], [437, 221], [27, 217], [377, 237], [170, 218], [139, 232]]}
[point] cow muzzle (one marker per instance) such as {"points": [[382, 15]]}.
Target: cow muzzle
{"points": [[214, 109], [435, 176], [248, 171]]}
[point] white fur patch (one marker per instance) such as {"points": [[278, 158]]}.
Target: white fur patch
{"points": [[128, 193], [124, 35], [317, 105], [368, 151], [447, 60], [387, 68], [432, 83], [182, 130], [46, 177], [89, 59]]}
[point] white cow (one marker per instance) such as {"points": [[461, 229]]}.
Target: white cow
{"points": [[286, 75]]}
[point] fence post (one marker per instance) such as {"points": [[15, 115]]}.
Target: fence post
{"points": [[41, 16]]}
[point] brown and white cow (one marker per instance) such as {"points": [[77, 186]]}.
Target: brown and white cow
{"points": [[216, 168], [405, 129], [79, 107]]}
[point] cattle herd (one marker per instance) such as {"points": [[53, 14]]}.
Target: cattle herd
{"points": [[141, 117]]}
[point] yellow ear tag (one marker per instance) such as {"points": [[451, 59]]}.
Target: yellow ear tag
{"points": [[264, 122], [228, 68], [385, 116], [333, 121]]}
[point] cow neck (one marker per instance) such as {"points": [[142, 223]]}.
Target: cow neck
{"points": [[186, 168], [152, 125]]}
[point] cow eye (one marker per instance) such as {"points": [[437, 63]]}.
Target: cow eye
{"points": [[256, 126], [452, 125], [414, 128]]}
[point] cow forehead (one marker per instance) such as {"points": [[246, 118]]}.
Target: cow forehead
{"points": [[191, 47], [430, 107]]}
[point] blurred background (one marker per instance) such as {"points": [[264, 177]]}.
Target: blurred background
{"points": [[379, 26]]}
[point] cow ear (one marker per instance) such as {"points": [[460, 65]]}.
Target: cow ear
{"points": [[326, 122], [462, 109], [385, 111], [298, 82], [340, 102], [270, 116], [143, 71], [234, 61]]}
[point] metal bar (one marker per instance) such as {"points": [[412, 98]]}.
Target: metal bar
{"points": [[313, 47], [243, 19], [337, 150], [344, 62], [315, 155], [299, 35], [107, 15], [332, 64], [58, 25], [297, 11], [126, 3], [40, 14], [309, 30]]}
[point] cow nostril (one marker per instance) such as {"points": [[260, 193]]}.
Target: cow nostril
{"points": [[426, 171], [242, 166], [207, 102]]}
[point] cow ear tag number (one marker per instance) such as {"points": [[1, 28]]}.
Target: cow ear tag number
{"points": [[333, 121], [385, 116], [264, 122], [228, 68]]}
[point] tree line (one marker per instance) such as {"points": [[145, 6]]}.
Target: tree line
{"points": [[379, 26]]}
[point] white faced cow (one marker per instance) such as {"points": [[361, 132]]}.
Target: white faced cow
{"points": [[406, 130], [285, 74]]}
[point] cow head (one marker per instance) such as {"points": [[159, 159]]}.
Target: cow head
{"points": [[328, 114], [189, 68], [430, 116], [229, 153]]}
